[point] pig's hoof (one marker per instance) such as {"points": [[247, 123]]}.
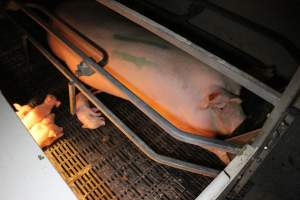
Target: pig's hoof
{"points": [[225, 158]]}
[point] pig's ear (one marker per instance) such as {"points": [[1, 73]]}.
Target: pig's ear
{"points": [[219, 105], [207, 101], [235, 100], [57, 104]]}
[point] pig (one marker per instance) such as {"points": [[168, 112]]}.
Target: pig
{"points": [[40, 112], [46, 131], [22, 110], [188, 93], [89, 117]]}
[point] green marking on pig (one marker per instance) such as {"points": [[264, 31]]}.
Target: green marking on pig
{"points": [[140, 62], [141, 40]]}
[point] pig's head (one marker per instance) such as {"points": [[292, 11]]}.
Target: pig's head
{"points": [[226, 110], [51, 101]]}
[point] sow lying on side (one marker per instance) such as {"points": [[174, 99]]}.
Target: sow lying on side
{"points": [[191, 95]]}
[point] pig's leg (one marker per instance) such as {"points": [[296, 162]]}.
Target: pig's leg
{"points": [[50, 140], [96, 91], [49, 119], [95, 110], [84, 126], [17, 106], [54, 130], [95, 114], [222, 155]]}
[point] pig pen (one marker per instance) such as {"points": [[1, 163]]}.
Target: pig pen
{"points": [[103, 164]]}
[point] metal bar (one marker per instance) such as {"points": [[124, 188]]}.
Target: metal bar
{"points": [[220, 65], [261, 146], [156, 117], [220, 184], [179, 164], [72, 98], [211, 41], [286, 100], [104, 59]]}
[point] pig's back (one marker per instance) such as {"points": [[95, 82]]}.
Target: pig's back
{"points": [[151, 67]]}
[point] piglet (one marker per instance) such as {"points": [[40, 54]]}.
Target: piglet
{"points": [[89, 117], [22, 110], [46, 131], [38, 113]]}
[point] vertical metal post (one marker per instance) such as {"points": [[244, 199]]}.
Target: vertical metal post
{"points": [[72, 98]]}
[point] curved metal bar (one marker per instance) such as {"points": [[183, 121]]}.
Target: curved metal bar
{"points": [[105, 56], [156, 117], [165, 160]]}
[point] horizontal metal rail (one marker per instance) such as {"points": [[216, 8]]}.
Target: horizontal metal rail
{"points": [[104, 59], [220, 65], [156, 117], [179, 164]]}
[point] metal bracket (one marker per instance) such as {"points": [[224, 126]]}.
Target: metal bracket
{"points": [[84, 70]]}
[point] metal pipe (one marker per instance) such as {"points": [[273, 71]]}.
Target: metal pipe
{"points": [[156, 117], [211, 41], [104, 59], [179, 164], [72, 98], [220, 65]]}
